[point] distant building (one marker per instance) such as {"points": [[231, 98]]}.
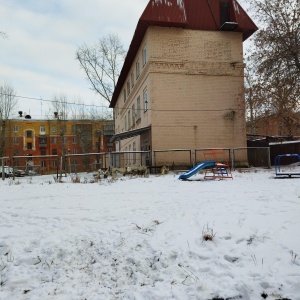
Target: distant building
{"points": [[182, 82], [26, 137], [272, 125]]}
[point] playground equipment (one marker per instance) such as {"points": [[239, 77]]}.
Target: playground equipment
{"points": [[278, 170], [197, 168], [213, 169]]}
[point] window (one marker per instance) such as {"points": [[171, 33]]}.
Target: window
{"points": [[53, 128], [54, 163], [132, 79], [138, 108], [16, 128], [137, 68], [42, 129], [73, 128], [43, 141], [29, 146], [43, 164], [145, 96], [65, 140], [54, 140], [63, 129], [29, 134], [15, 141], [124, 95], [133, 115], [54, 151], [129, 120], [43, 152], [128, 88], [129, 154], [74, 139], [126, 128], [74, 151], [134, 154], [144, 56]]}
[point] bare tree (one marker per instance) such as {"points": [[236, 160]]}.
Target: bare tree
{"points": [[278, 41], [253, 97], [60, 106], [102, 63], [8, 102], [274, 81]]}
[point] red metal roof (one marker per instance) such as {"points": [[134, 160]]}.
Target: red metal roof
{"points": [[189, 14]]}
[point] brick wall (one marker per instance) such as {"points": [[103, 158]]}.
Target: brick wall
{"points": [[195, 89]]}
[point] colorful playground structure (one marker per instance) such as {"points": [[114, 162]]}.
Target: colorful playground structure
{"points": [[278, 169], [214, 169]]}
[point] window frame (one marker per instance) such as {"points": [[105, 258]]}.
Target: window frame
{"points": [[137, 69], [124, 94], [144, 55], [145, 99], [42, 129], [129, 118], [128, 88], [29, 134], [133, 114], [132, 79], [138, 108]]}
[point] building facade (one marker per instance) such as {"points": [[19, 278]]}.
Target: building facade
{"points": [[30, 142], [182, 82]]}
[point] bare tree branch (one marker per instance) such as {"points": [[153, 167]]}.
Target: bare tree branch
{"points": [[274, 84], [8, 103], [102, 64]]}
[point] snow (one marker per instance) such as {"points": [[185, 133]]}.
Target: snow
{"points": [[144, 238]]}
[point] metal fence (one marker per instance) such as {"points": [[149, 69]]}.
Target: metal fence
{"points": [[173, 158], [220, 155], [125, 159], [257, 157], [176, 159], [36, 165]]}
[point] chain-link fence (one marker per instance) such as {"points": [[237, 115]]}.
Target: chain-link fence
{"points": [[35, 165], [173, 158]]}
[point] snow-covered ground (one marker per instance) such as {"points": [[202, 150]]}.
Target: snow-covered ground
{"points": [[145, 238]]}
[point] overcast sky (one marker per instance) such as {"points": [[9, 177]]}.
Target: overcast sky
{"points": [[38, 57]]}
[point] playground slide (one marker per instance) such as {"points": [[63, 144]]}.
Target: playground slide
{"points": [[197, 168]]}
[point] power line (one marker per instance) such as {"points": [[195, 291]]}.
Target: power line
{"points": [[122, 108], [55, 101]]}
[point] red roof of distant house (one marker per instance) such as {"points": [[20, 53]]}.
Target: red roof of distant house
{"points": [[189, 14]]}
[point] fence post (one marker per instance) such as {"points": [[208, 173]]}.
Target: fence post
{"points": [[2, 165], [232, 162], [269, 158]]}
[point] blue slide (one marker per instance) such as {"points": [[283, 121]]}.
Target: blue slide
{"points": [[197, 168]]}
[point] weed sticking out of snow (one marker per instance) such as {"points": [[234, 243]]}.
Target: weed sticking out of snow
{"points": [[208, 233]]}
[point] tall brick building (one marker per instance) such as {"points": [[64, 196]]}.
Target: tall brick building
{"points": [[182, 82]]}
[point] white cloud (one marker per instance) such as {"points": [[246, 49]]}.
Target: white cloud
{"points": [[39, 56]]}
